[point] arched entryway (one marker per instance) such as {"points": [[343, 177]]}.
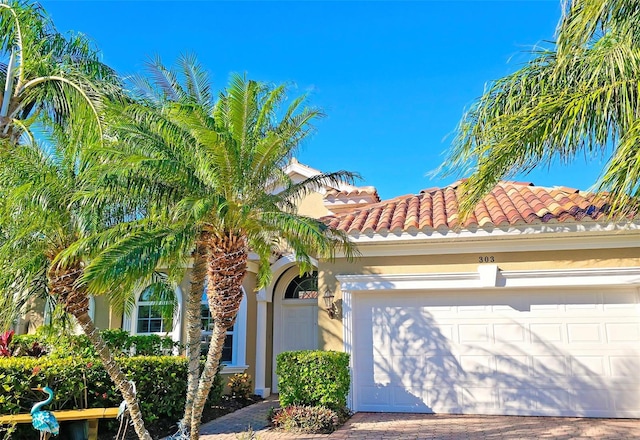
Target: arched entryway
{"points": [[295, 320]]}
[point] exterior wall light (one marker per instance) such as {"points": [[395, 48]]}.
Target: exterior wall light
{"points": [[332, 308]]}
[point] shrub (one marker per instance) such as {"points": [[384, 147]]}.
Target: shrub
{"points": [[240, 386], [313, 378], [249, 434], [80, 383], [306, 419], [119, 341]]}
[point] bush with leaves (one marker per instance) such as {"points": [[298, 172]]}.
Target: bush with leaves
{"points": [[313, 378], [84, 383], [240, 386], [119, 341], [307, 419]]}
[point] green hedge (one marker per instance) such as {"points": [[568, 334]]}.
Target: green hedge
{"points": [[118, 341], [313, 378], [160, 383]]}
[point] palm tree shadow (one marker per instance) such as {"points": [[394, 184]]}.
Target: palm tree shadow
{"points": [[424, 363]]}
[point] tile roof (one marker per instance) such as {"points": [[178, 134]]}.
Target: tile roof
{"points": [[358, 191], [508, 204]]}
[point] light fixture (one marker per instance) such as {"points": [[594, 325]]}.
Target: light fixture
{"points": [[332, 308]]}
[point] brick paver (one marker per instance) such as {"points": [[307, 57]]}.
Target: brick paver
{"points": [[385, 426]]}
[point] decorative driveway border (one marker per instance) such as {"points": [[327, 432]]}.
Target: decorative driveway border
{"points": [[386, 426]]}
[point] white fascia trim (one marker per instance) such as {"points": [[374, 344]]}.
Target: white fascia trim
{"points": [[484, 278], [538, 238], [233, 369], [307, 172]]}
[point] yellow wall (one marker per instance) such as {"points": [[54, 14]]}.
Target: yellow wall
{"points": [[330, 336], [313, 206], [252, 307], [102, 316]]}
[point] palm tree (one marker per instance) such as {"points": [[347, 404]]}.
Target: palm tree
{"points": [[579, 97], [44, 74], [39, 219], [214, 175]]}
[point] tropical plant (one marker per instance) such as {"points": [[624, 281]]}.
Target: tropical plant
{"points": [[240, 386], [213, 173], [45, 75], [39, 220], [5, 343], [578, 97]]}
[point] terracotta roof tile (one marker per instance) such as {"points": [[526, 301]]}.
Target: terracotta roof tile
{"points": [[508, 204]]}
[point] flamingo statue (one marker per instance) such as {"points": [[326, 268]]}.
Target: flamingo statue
{"points": [[44, 421]]}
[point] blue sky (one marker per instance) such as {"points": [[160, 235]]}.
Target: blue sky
{"points": [[392, 77]]}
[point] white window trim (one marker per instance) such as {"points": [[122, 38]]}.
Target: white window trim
{"points": [[130, 321], [239, 349]]}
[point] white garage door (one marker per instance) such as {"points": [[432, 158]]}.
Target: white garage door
{"points": [[566, 353]]}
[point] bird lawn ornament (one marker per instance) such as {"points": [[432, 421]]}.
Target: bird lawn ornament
{"points": [[44, 421]]}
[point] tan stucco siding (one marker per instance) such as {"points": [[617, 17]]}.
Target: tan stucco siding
{"points": [[249, 284], [102, 312], [330, 331], [313, 206]]}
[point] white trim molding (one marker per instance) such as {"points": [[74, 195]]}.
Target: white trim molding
{"points": [[540, 237], [130, 320], [490, 276], [347, 341], [233, 369], [261, 344]]}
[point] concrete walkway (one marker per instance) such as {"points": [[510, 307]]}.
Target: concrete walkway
{"points": [[383, 426]]}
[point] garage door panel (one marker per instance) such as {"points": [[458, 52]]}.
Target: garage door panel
{"points": [[516, 354], [589, 366], [372, 398], [591, 400], [548, 398], [624, 366], [622, 332], [513, 366], [510, 333], [477, 365], [474, 333], [544, 366], [410, 399], [542, 333], [584, 332]]}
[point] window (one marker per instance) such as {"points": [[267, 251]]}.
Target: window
{"points": [[147, 317], [303, 287], [150, 317], [234, 344]]}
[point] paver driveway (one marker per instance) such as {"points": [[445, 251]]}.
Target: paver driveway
{"points": [[383, 426]]}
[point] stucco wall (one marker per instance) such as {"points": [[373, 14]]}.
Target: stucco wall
{"points": [[330, 330], [313, 206], [250, 354]]}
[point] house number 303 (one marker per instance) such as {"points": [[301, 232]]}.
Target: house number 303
{"points": [[486, 259]]}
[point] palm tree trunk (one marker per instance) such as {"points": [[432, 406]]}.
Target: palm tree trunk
{"points": [[62, 284], [194, 333], [226, 267]]}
